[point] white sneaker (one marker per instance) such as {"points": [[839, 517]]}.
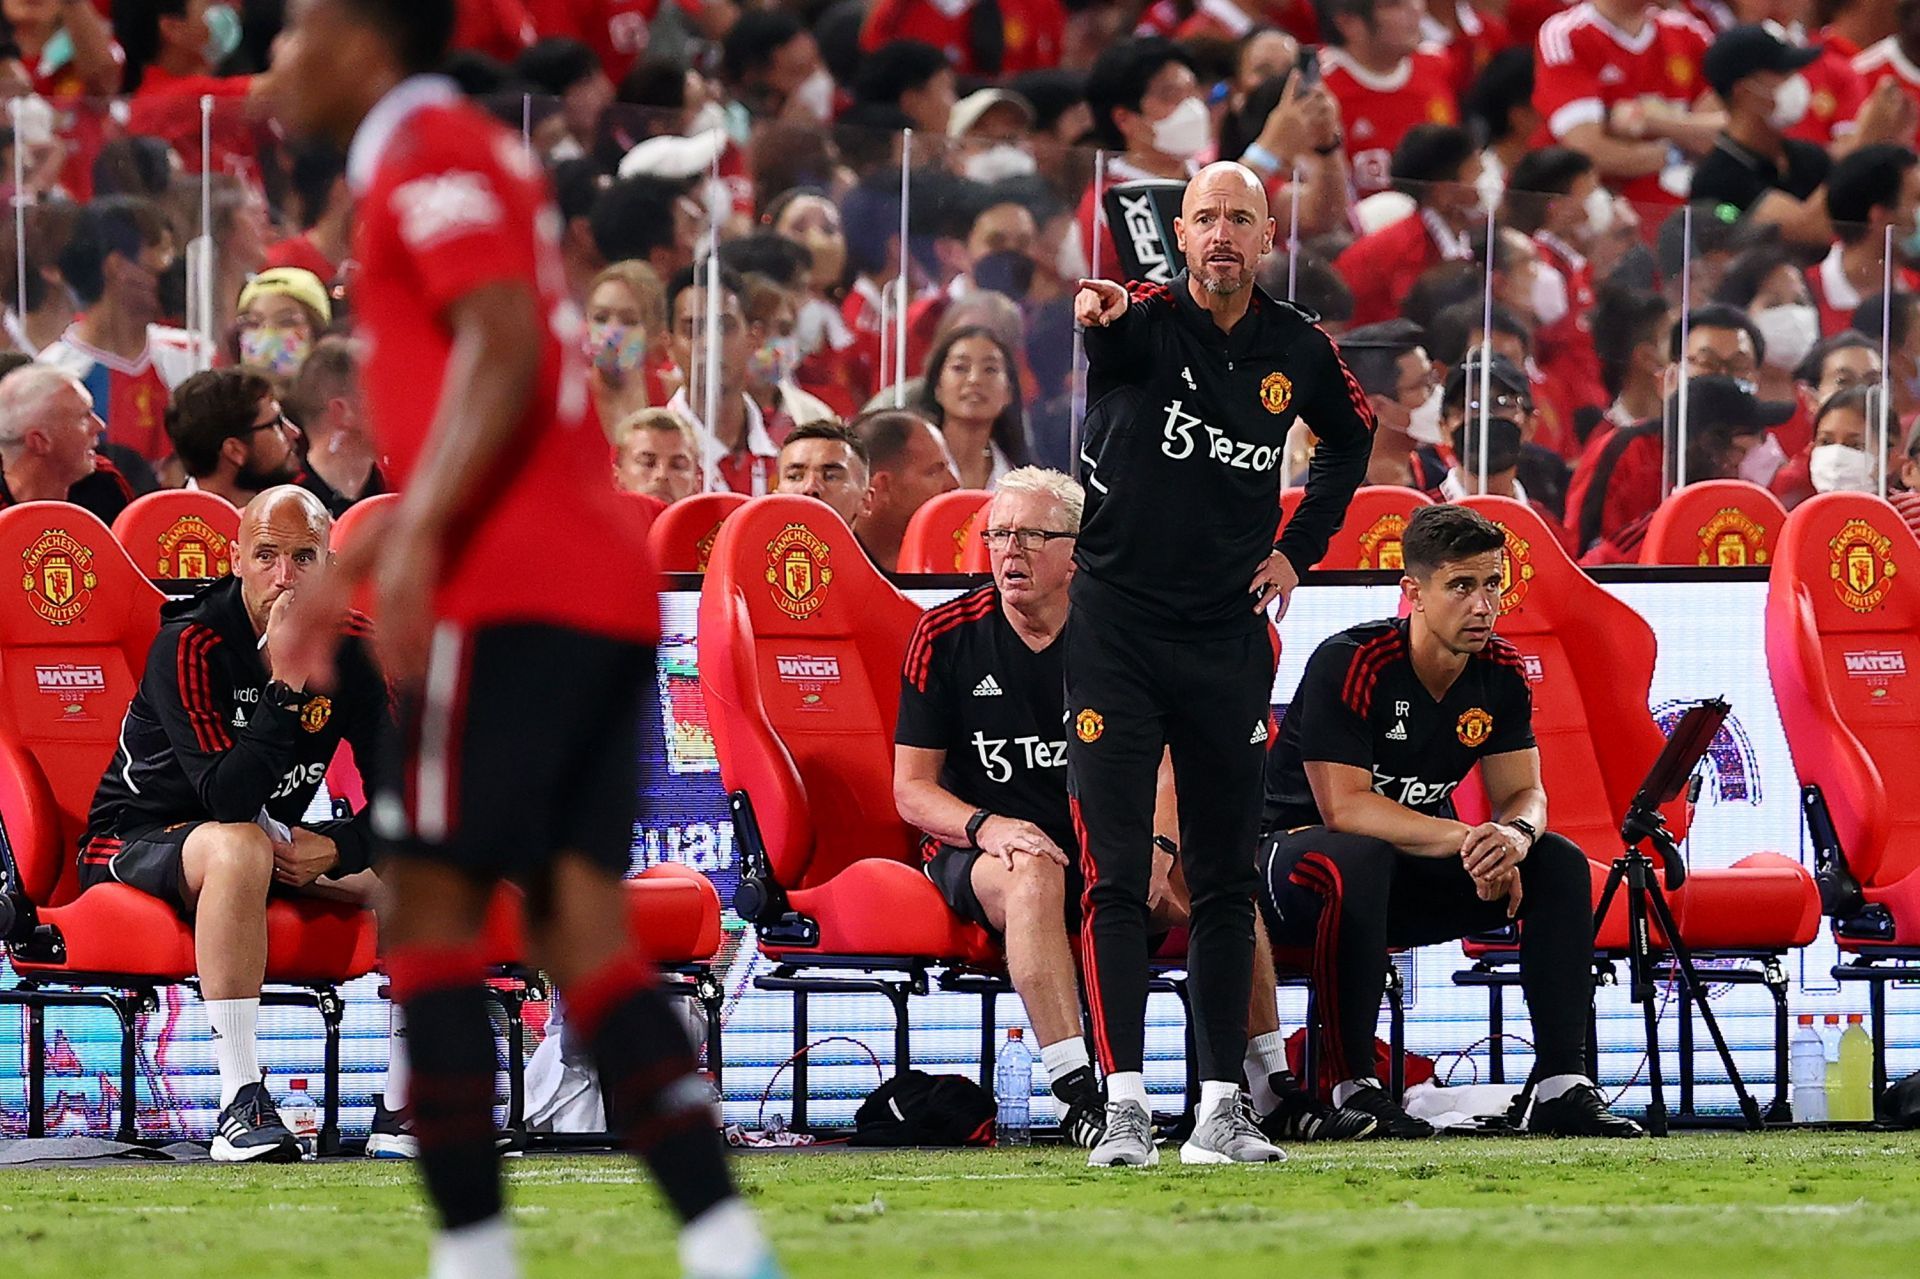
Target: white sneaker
{"points": [[1128, 1142], [1231, 1136]]}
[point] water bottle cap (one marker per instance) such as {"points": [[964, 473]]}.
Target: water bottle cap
{"points": [[1854, 1019], [299, 1085], [1806, 1019], [1016, 1033], [1833, 1019]]}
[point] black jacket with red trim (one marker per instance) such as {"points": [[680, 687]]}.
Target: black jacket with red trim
{"points": [[106, 492], [201, 743], [1183, 453]]}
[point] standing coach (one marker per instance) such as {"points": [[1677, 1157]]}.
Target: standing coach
{"points": [[1194, 385]]}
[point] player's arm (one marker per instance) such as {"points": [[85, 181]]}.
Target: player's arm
{"points": [[1511, 771], [94, 58], [1338, 413], [1112, 321], [1802, 221], [1347, 803], [1164, 885], [924, 803], [233, 772], [370, 727], [1616, 157]]}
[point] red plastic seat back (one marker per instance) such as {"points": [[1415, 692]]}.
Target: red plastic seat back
{"points": [[682, 538], [1590, 662], [365, 518], [1843, 648], [76, 620], [944, 535], [1715, 524], [180, 535], [1290, 499], [1370, 535], [801, 644]]}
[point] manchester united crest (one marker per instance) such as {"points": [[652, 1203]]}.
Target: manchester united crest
{"points": [[315, 714], [1729, 539], [1860, 561], [193, 548], [1474, 727], [798, 571], [1516, 571], [57, 575], [703, 549], [1276, 392], [1088, 725], [1380, 545]]}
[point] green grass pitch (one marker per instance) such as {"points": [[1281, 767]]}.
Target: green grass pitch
{"points": [[1833, 1205]]}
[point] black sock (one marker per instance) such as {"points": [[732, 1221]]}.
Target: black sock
{"points": [[451, 1042], [1078, 1087], [662, 1105]]}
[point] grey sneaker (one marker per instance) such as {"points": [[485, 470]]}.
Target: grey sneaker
{"points": [[1128, 1142], [1231, 1136]]}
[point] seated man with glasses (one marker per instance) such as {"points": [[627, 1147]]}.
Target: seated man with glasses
{"points": [[1515, 466], [230, 435]]}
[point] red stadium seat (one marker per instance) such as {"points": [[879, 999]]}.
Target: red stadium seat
{"points": [[801, 646], [179, 535], [1370, 535], [1715, 524], [1590, 659], [646, 508], [73, 645], [1843, 648], [682, 538], [944, 535]]}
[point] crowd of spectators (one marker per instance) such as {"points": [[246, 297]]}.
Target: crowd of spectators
{"points": [[1624, 189]]}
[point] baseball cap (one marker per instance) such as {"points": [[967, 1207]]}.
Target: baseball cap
{"points": [[294, 282], [1718, 402], [967, 112], [1740, 51], [1507, 381]]}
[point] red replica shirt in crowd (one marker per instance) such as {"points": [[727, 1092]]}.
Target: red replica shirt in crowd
{"points": [[449, 202], [1298, 18], [1836, 92], [1616, 481], [1584, 66], [616, 30], [1377, 111], [1033, 30], [498, 28], [1884, 61], [168, 106], [300, 251], [1382, 266], [1481, 35]]}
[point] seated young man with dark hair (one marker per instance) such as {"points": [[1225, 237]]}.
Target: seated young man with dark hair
{"points": [[1388, 719]]}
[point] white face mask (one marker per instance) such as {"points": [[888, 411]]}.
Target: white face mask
{"points": [[1002, 160], [1790, 332], [1549, 295], [1424, 425], [711, 116], [1841, 468], [1185, 131], [815, 95], [1599, 211], [1790, 103], [1762, 461]]}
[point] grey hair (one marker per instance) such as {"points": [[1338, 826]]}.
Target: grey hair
{"points": [[23, 398], [1044, 482]]}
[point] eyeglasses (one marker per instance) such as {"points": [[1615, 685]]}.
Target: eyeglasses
{"points": [[279, 423], [1028, 539]]}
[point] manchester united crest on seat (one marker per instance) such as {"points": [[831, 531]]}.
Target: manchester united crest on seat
{"points": [[58, 577], [192, 548], [1861, 565], [1730, 539], [798, 571]]}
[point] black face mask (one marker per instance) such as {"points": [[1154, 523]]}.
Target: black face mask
{"points": [[1007, 271], [1503, 444]]}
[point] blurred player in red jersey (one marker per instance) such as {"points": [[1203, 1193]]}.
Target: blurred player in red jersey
{"points": [[506, 770]]}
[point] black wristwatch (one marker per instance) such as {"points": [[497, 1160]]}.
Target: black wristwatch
{"points": [[1526, 828], [1167, 846], [283, 695], [974, 823]]}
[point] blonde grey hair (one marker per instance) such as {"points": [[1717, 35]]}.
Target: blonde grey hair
{"points": [[1047, 483]]}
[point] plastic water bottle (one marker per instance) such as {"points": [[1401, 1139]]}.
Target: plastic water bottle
{"points": [[1830, 1041], [302, 1118], [1856, 1072], [1809, 1073], [1013, 1091]]}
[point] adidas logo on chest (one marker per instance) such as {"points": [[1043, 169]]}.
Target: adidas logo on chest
{"points": [[987, 687]]}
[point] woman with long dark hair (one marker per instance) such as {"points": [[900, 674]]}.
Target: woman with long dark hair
{"points": [[971, 391]]}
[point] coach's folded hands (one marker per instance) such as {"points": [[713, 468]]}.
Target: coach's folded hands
{"points": [[1009, 837]]}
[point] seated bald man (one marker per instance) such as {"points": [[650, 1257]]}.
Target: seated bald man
{"points": [[221, 752]]}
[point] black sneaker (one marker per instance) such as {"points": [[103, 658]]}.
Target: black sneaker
{"points": [[249, 1130], [1083, 1111], [392, 1134], [1580, 1111], [1394, 1123], [1300, 1116]]}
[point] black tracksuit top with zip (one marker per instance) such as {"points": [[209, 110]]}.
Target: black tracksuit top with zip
{"points": [[1183, 453], [200, 741]]}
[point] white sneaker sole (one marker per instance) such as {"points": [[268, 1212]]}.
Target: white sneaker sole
{"points": [[225, 1152], [1151, 1161], [384, 1145], [1192, 1154]]}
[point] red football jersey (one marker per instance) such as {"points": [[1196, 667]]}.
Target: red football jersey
{"points": [[498, 28], [616, 30], [1837, 93], [1884, 61], [449, 201], [1377, 111], [1584, 65]]}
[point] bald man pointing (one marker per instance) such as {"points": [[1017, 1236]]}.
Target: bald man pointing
{"points": [[221, 752], [1192, 386]]}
